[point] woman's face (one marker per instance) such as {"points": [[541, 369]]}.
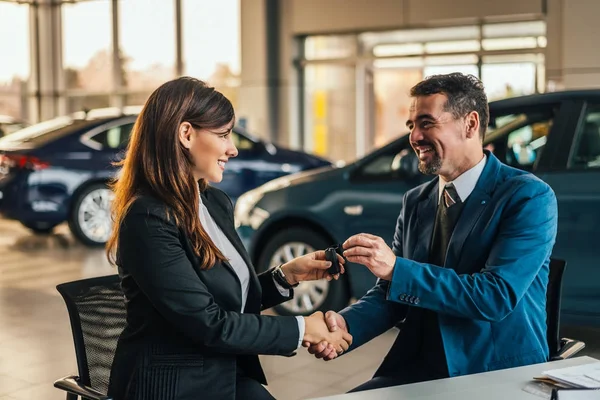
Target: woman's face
{"points": [[211, 149]]}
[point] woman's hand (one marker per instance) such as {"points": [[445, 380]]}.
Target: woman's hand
{"points": [[310, 267], [317, 331]]}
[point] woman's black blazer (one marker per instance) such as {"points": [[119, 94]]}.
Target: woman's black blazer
{"points": [[185, 337]]}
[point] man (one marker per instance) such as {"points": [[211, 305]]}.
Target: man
{"points": [[468, 268]]}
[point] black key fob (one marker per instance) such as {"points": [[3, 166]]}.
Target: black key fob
{"points": [[331, 256]]}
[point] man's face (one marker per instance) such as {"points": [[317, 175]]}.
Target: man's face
{"points": [[436, 136]]}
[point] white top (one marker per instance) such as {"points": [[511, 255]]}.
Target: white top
{"points": [[236, 261], [466, 182], [220, 240]]}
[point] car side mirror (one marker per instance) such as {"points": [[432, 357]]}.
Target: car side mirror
{"points": [[405, 164]]}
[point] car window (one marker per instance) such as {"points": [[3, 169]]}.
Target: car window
{"points": [[587, 141], [519, 139], [116, 137], [242, 142], [386, 165]]}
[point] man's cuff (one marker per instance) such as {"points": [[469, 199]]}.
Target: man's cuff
{"points": [[282, 291], [401, 289], [301, 329]]}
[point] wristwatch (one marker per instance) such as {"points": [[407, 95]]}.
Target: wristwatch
{"points": [[279, 277]]}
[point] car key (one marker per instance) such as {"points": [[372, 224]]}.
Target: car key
{"points": [[331, 256]]}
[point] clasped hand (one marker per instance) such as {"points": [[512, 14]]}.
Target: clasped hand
{"points": [[317, 332]]}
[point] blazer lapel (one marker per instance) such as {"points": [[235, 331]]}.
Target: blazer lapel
{"points": [[426, 210], [475, 205], [225, 222]]}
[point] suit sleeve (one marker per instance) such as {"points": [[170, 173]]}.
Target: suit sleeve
{"points": [[522, 247], [373, 314], [150, 250], [271, 296]]}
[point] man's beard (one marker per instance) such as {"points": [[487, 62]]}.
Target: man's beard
{"points": [[431, 167]]}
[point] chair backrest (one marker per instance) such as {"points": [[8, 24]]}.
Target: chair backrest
{"points": [[553, 295], [97, 312]]}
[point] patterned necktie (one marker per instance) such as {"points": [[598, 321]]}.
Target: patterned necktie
{"points": [[450, 195], [447, 215]]}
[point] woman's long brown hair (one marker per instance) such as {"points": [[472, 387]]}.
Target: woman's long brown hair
{"points": [[156, 163]]}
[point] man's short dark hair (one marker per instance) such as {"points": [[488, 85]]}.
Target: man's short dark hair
{"points": [[465, 94]]}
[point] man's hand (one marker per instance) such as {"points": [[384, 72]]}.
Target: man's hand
{"points": [[310, 267], [317, 331], [335, 322], [372, 252]]}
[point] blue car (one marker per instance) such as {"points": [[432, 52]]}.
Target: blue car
{"points": [[57, 170], [555, 135]]}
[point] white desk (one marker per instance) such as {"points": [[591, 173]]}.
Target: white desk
{"points": [[496, 385]]}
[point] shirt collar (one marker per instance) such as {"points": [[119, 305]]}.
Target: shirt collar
{"points": [[466, 182]]}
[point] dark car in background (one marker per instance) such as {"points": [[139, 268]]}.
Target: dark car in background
{"points": [[555, 135], [57, 170]]}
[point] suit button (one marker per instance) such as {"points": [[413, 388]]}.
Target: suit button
{"points": [[402, 297], [417, 300]]}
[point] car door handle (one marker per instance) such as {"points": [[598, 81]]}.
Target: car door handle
{"points": [[353, 210]]}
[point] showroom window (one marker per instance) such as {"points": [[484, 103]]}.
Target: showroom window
{"points": [[147, 36], [111, 53], [366, 77], [14, 65], [206, 58]]}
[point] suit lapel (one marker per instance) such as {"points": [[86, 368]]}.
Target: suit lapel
{"points": [[475, 205], [218, 212], [473, 208], [426, 210]]}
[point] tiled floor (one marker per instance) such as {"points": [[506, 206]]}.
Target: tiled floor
{"points": [[35, 339]]}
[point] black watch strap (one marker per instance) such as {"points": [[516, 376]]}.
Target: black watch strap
{"points": [[279, 277]]}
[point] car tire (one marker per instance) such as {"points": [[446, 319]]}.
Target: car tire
{"points": [[93, 202], [312, 296], [39, 228]]}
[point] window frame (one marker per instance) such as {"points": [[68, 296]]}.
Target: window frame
{"points": [[547, 160], [576, 131], [120, 127], [87, 138], [357, 175]]}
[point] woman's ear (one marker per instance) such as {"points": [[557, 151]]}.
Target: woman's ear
{"points": [[185, 134]]}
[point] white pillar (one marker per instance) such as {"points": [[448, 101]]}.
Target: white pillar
{"points": [[253, 90], [46, 83]]}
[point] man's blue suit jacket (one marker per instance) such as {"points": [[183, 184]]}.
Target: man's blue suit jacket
{"points": [[490, 296]]}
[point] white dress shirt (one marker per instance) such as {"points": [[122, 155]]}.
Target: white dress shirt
{"points": [[237, 262], [466, 182]]}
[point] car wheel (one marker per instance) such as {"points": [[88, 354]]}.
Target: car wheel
{"points": [[90, 220], [39, 228], [310, 296]]}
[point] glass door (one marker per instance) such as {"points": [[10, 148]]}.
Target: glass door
{"points": [[330, 110]]}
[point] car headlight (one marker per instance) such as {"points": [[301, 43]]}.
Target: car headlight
{"points": [[244, 205]]}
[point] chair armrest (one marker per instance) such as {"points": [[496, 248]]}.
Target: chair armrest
{"points": [[568, 348], [72, 385]]}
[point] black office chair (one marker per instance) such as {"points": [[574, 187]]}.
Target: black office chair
{"points": [[560, 349], [97, 312]]}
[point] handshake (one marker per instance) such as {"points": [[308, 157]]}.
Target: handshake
{"points": [[326, 335]]}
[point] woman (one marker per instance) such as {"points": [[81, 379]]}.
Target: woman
{"points": [[193, 300]]}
